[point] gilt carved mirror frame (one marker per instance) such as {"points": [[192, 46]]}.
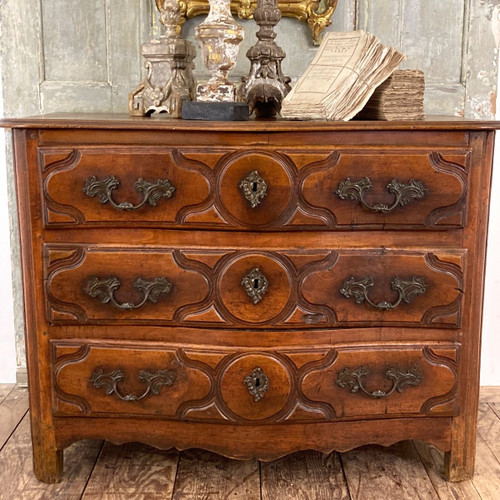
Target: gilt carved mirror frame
{"points": [[317, 13]]}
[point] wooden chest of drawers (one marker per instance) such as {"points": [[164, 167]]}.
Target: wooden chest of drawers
{"points": [[253, 288]]}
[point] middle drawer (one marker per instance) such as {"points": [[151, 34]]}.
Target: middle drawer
{"points": [[233, 288]]}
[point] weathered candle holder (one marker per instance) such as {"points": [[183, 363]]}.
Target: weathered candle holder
{"points": [[265, 86], [169, 61], [219, 37]]}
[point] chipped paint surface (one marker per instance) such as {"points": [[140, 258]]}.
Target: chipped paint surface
{"points": [[58, 55]]}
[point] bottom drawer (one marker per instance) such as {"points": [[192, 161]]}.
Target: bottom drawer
{"points": [[251, 385]]}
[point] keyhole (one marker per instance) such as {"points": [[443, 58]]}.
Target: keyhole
{"points": [[254, 186], [257, 382], [256, 284]]}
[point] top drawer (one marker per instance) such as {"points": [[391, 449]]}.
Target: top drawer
{"points": [[254, 189]]}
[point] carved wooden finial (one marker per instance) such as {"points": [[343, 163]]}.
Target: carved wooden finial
{"points": [[265, 86], [169, 61]]}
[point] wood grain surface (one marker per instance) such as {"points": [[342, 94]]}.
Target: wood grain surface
{"points": [[202, 474], [16, 474], [371, 276], [12, 409], [433, 462], [397, 471], [133, 471], [305, 475]]}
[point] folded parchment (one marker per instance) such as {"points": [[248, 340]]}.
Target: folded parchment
{"points": [[343, 75]]}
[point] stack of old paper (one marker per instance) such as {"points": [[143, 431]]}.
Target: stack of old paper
{"points": [[400, 97], [346, 70]]}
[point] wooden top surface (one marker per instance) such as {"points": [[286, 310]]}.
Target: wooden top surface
{"points": [[106, 121]]}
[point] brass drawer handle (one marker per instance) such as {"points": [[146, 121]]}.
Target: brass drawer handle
{"points": [[257, 383], [403, 193], [154, 382], [353, 380], [359, 289], [255, 284], [254, 188], [103, 290], [152, 192]]}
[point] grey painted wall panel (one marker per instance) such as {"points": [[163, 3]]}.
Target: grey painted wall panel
{"points": [[20, 54], [481, 59], [80, 97], [129, 26], [74, 40], [382, 18], [433, 37]]}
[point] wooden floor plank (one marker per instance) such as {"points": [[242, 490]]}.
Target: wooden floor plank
{"points": [[487, 474], [12, 410], [304, 476], [133, 471], [374, 472], [17, 481], [489, 394], [495, 408], [207, 476], [488, 426], [433, 461], [5, 390]]}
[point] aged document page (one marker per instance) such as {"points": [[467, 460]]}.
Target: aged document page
{"points": [[341, 78]]}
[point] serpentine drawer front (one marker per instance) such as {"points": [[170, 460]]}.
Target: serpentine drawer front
{"points": [[257, 386], [221, 287], [252, 288], [248, 189]]}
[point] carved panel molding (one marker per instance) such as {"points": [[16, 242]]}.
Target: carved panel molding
{"points": [[262, 289], [279, 389], [251, 189]]}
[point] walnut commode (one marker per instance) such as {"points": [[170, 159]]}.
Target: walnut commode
{"points": [[252, 288]]}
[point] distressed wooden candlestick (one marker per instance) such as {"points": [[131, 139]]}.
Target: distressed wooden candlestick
{"points": [[265, 86], [219, 37], [170, 66]]}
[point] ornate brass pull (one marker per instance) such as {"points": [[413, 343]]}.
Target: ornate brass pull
{"points": [[359, 289], [152, 192], [403, 193], [154, 382], [257, 383], [255, 284], [104, 290], [353, 380], [254, 188]]}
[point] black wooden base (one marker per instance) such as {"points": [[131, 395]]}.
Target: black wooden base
{"points": [[216, 111]]}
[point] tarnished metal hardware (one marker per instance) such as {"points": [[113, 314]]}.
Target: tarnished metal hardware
{"points": [[154, 382], [255, 284], [353, 380], [359, 289], [254, 188], [317, 13], [152, 191], [257, 383], [103, 290], [403, 193]]}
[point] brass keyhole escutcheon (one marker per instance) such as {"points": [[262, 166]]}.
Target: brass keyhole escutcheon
{"points": [[257, 383], [254, 188], [255, 284]]}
